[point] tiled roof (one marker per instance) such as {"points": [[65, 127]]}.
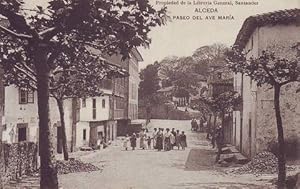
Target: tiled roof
{"points": [[271, 18]]}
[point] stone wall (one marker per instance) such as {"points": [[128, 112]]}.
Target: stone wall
{"points": [[266, 122], [16, 160]]}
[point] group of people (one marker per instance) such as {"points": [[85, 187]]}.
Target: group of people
{"points": [[198, 127], [158, 140]]}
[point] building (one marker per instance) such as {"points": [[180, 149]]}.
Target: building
{"points": [[254, 123], [21, 117], [86, 119], [114, 111], [220, 78]]}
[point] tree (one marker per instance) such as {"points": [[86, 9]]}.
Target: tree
{"points": [[272, 70], [148, 88], [36, 37], [218, 106], [208, 55], [180, 73]]}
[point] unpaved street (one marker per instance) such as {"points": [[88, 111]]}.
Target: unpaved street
{"points": [[149, 169]]}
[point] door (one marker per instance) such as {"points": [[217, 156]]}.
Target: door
{"points": [[22, 134], [22, 129]]}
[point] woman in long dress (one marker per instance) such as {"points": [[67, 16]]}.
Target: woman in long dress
{"points": [[159, 140], [177, 139], [154, 137], [143, 139], [183, 143], [167, 141], [133, 141]]}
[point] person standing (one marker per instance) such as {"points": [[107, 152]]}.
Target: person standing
{"points": [[177, 139], [126, 141], [149, 142], [167, 140], [219, 142], [159, 140], [143, 139], [173, 138], [172, 141], [183, 142], [154, 137], [133, 141], [192, 125]]}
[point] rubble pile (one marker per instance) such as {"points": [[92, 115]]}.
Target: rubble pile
{"points": [[73, 166], [262, 163]]}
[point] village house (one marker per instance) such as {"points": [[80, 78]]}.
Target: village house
{"points": [[220, 78], [87, 120], [254, 123]]}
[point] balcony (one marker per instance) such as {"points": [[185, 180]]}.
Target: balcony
{"points": [[119, 114]]}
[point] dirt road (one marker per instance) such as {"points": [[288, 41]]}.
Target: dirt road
{"points": [[149, 169]]}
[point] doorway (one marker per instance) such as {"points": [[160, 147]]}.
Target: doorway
{"points": [[22, 132]]}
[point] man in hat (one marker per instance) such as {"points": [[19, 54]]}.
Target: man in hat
{"points": [[219, 142]]}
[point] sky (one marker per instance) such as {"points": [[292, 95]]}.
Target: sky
{"points": [[181, 38]]}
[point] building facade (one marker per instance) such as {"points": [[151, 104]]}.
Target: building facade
{"points": [[87, 120], [20, 118], [254, 123]]}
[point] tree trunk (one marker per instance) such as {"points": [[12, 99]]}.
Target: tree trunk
{"points": [[148, 114], [223, 126], [208, 127], [60, 104], [48, 172], [215, 121], [281, 151]]}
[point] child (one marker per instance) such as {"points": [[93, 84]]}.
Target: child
{"points": [[149, 142], [126, 141]]}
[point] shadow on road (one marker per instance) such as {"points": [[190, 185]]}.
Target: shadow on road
{"points": [[200, 159]]}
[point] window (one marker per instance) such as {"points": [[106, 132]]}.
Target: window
{"points": [[103, 103], [26, 96], [84, 134], [22, 96], [94, 108], [84, 102]]}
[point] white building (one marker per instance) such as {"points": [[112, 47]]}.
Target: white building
{"points": [[254, 127], [20, 120]]}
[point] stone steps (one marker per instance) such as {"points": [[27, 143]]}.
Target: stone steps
{"points": [[240, 159], [231, 154]]}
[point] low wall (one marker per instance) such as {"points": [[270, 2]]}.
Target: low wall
{"points": [[16, 160]]}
